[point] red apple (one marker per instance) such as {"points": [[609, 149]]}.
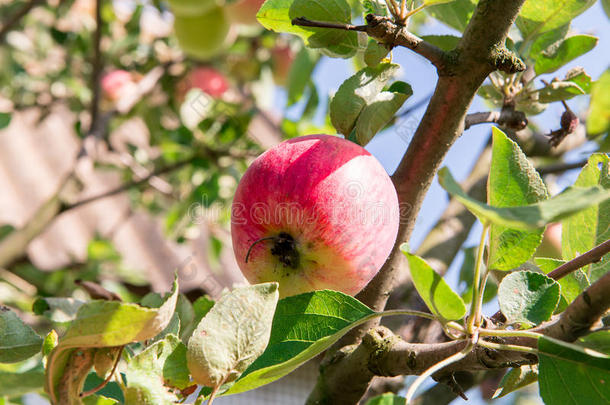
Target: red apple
{"points": [[115, 83], [551, 242], [208, 79], [244, 11], [314, 212]]}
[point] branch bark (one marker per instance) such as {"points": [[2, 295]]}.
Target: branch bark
{"points": [[480, 51], [382, 353]]}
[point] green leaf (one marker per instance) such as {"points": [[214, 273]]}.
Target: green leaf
{"points": [[153, 374], [588, 228], [5, 119], [432, 288], [571, 285], [17, 340], [277, 15], [300, 73], [550, 39], [529, 217], [6, 230], [105, 324], [538, 16], [570, 375], [357, 92], [377, 7], [578, 76], [304, 326], [374, 53], [380, 111], [455, 14], [517, 378], [558, 90], [232, 335], [57, 309], [445, 42], [387, 399], [528, 297], [513, 181], [555, 57], [17, 384], [598, 120], [598, 341], [50, 342]]}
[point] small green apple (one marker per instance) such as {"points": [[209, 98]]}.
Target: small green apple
{"points": [[188, 8], [203, 36]]}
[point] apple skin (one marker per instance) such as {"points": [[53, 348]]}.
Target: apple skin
{"points": [[244, 11], [186, 8], [203, 36], [335, 202], [208, 79], [115, 83]]}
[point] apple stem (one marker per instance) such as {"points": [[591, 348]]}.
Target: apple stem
{"points": [[257, 241], [284, 247]]}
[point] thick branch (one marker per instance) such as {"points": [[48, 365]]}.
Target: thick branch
{"points": [[478, 53], [382, 353]]}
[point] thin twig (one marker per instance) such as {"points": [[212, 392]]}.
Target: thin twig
{"points": [[561, 167], [129, 185], [507, 117], [592, 256], [107, 379], [305, 22]]}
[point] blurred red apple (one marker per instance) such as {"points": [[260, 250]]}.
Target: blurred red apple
{"points": [[282, 58], [116, 83], [314, 212], [244, 11], [551, 242], [208, 79]]}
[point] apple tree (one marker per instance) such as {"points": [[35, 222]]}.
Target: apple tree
{"points": [[333, 274]]}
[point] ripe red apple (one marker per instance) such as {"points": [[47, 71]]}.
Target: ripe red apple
{"points": [[208, 79], [244, 11], [314, 212], [115, 83]]}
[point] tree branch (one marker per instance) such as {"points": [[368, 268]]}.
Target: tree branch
{"points": [[507, 118], [382, 353], [14, 19], [479, 52], [592, 256], [387, 32]]}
